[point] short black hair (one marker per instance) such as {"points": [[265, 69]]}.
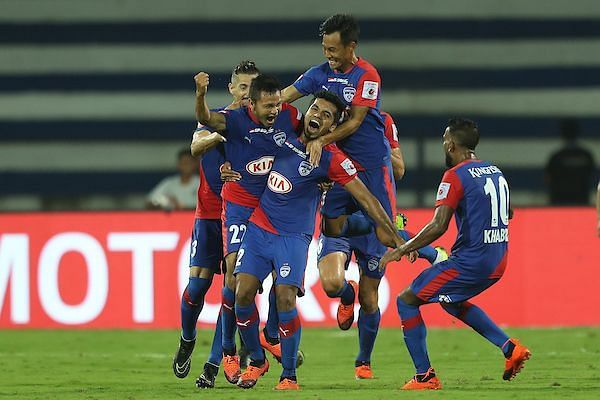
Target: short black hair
{"points": [[333, 99], [246, 67], [345, 24], [263, 83], [464, 132]]}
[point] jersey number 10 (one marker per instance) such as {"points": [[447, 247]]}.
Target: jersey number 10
{"points": [[503, 204]]}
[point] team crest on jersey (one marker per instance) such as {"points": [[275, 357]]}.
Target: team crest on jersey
{"points": [[279, 183], [305, 168], [349, 93], [262, 166], [279, 138], [373, 264], [284, 270]]}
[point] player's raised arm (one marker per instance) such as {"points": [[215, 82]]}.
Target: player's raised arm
{"points": [[204, 140], [290, 94], [386, 230], [203, 113]]}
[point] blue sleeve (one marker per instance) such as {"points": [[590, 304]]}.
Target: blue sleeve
{"points": [[309, 82], [231, 122]]}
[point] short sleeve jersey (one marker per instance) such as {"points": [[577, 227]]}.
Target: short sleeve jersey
{"points": [[391, 131], [359, 86], [251, 147], [479, 195], [289, 204]]}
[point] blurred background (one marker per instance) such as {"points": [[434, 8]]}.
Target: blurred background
{"points": [[96, 98]]}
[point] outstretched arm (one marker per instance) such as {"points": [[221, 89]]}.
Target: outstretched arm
{"points": [[203, 113], [204, 140], [430, 232], [342, 131], [386, 231], [290, 94]]}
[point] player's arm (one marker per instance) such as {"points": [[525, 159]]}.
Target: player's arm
{"points": [[204, 140], [386, 230], [342, 131], [203, 114], [290, 94], [430, 232], [398, 163]]}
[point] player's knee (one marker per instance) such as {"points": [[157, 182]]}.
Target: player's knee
{"points": [[332, 227], [408, 297], [286, 301], [244, 294], [332, 286], [368, 300]]}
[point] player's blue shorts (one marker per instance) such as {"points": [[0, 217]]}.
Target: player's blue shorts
{"points": [[206, 247], [367, 250], [447, 282], [263, 252], [380, 183], [235, 223]]}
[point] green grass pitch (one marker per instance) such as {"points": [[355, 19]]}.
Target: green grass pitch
{"points": [[78, 364]]}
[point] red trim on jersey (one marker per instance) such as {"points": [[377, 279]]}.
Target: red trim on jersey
{"points": [[436, 283], [260, 219], [288, 329], [412, 322], [499, 270], [235, 193], [451, 188], [208, 204], [252, 116], [295, 115], [389, 130], [336, 171], [391, 190], [224, 229], [372, 75]]}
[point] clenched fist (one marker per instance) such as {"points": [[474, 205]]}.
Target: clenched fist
{"points": [[202, 80]]}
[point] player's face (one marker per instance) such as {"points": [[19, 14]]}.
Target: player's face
{"points": [[267, 108], [319, 119], [340, 56], [448, 145], [239, 87]]}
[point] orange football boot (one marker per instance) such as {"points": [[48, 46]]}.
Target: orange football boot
{"points": [[250, 376], [426, 381], [231, 368], [274, 349], [516, 362], [363, 372], [345, 313], [287, 384]]}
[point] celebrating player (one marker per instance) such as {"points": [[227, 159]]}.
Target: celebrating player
{"points": [[477, 193], [252, 134], [206, 253], [281, 229]]}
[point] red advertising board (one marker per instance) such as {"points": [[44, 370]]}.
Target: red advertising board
{"points": [[127, 270]]}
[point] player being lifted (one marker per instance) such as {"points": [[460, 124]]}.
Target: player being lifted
{"points": [[477, 193], [251, 136], [361, 137], [206, 253], [281, 229]]}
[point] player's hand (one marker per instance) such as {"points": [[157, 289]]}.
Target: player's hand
{"points": [[325, 186], [392, 255], [412, 256], [314, 149], [227, 174], [202, 80]]}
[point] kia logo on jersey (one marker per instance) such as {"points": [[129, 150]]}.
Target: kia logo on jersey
{"points": [[262, 166], [279, 138], [279, 183]]}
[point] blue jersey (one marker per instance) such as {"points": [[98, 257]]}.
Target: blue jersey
{"points": [[359, 86], [479, 195], [289, 205], [251, 147]]}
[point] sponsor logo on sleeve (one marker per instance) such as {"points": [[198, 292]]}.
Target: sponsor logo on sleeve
{"points": [[443, 190], [262, 166], [348, 166], [370, 90]]}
